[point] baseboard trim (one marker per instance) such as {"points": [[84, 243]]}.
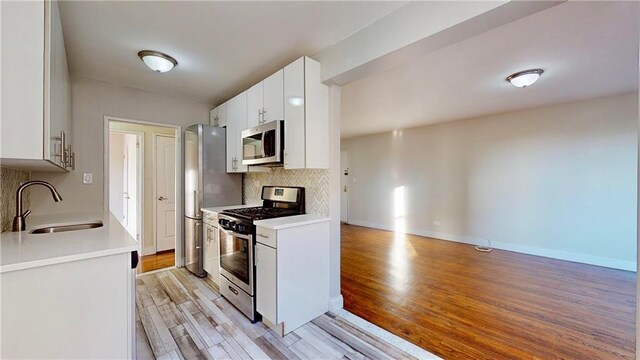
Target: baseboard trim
{"points": [[336, 303], [523, 249]]}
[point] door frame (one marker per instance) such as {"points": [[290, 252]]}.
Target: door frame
{"points": [[107, 119], [155, 190], [348, 184], [139, 175]]}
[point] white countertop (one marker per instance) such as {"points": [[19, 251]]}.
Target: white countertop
{"points": [[291, 221], [21, 250], [218, 209]]}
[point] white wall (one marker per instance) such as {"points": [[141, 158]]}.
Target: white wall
{"points": [[92, 100], [557, 181]]}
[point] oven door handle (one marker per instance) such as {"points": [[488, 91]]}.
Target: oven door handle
{"points": [[235, 234]]}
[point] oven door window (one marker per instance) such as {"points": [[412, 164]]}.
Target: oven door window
{"points": [[234, 256]]}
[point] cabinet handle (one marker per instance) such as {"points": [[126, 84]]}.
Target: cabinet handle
{"points": [[263, 235], [73, 160], [264, 112]]}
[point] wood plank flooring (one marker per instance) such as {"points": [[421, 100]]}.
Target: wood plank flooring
{"points": [[462, 304], [161, 260], [180, 316]]}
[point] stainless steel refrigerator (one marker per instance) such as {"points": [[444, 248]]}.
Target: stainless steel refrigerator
{"points": [[206, 184]]}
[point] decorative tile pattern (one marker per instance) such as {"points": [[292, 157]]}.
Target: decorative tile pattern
{"points": [[315, 182], [10, 179]]}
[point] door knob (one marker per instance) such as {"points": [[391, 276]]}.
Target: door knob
{"points": [[162, 198], [345, 188]]}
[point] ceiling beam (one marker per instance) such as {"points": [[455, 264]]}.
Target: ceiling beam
{"points": [[416, 29]]}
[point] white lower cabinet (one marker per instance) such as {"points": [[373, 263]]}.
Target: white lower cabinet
{"points": [[292, 274], [81, 309], [266, 284], [211, 248]]}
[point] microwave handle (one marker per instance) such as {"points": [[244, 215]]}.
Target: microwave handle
{"points": [[263, 145]]}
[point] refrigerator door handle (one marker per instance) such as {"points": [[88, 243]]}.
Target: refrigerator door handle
{"points": [[196, 208]]}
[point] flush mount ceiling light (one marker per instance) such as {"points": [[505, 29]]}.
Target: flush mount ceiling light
{"points": [[524, 78], [157, 61]]}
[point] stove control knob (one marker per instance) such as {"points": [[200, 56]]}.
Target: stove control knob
{"points": [[241, 228], [232, 225], [223, 222]]}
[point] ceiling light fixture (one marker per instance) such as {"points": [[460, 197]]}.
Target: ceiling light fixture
{"points": [[157, 61], [524, 78]]}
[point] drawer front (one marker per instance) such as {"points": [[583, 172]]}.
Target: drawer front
{"points": [[241, 300], [210, 218], [266, 236]]}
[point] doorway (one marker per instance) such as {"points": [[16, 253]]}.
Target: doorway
{"points": [[143, 165], [125, 189]]}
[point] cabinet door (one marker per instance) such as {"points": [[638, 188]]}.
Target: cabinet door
{"points": [[22, 72], [266, 275], [274, 97], [207, 247], [58, 96], [222, 115], [254, 105], [211, 251], [294, 115], [213, 117], [236, 122]]}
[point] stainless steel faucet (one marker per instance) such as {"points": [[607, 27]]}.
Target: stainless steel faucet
{"points": [[18, 220]]}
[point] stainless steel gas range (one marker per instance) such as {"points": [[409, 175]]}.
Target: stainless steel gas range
{"points": [[237, 243]]}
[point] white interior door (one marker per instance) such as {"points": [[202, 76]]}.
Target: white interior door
{"points": [[165, 194], [130, 206], [344, 184], [116, 176]]}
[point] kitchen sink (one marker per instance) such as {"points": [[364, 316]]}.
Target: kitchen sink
{"points": [[69, 227]]}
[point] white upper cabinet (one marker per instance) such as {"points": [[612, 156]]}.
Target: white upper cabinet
{"points": [[36, 112], [306, 116], [236, 122], [294, 94], [213, 117], [265, 100], [218, 116], [222, 115], [273, 108], [255, 96]]}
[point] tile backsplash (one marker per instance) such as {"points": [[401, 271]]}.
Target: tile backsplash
{"points": [[315, 182], [10, 179]]}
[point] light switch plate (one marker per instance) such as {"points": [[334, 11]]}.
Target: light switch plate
{"points": [[87, 178]]}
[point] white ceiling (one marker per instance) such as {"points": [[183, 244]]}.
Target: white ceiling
{"points": [[222, 47], [587, 49]]}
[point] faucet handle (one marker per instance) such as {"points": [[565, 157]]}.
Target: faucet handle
{"points": [[26, 213]]}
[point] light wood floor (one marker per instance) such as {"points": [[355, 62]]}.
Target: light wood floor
{"points": [[183, 317], [161, 260], [462, 304]]}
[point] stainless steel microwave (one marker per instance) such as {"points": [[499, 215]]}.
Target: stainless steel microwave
{"points": [[264, 144]]}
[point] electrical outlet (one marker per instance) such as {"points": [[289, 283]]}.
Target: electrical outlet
{"points": [[87, 178], [436, 222]]}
